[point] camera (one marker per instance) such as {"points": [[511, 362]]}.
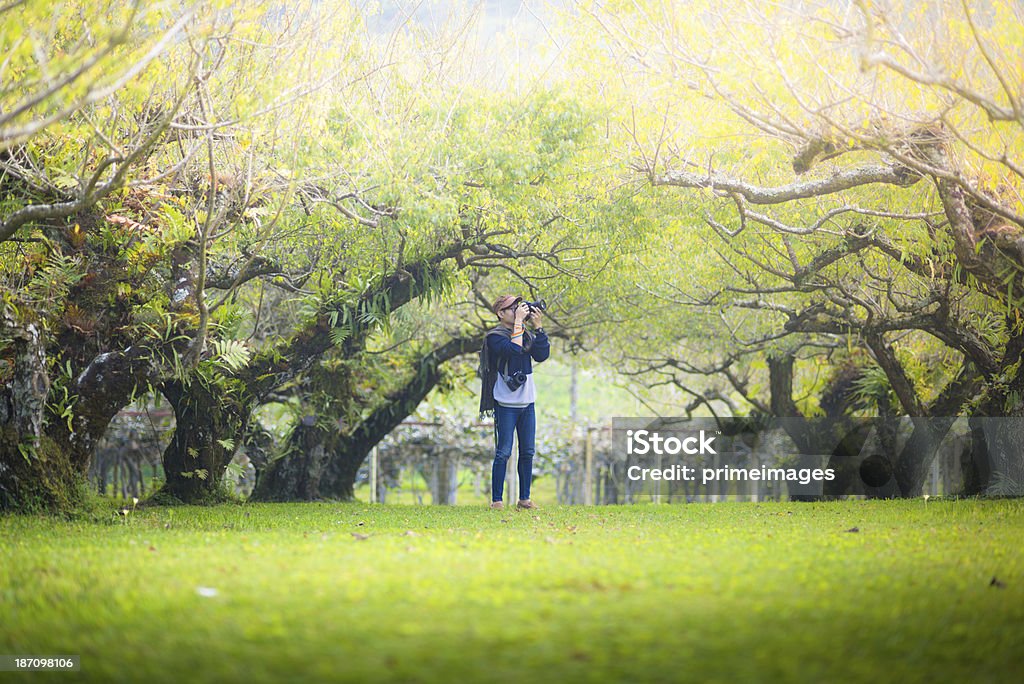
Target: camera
{"points": [[515, 380], [539, 305]]}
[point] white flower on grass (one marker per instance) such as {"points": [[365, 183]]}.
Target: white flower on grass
{"points": [[208, 592]]}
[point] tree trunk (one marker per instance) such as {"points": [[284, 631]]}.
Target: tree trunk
{"points": [[44, 480], [339, 477], [830, 435], [33, 474], [332, 473], [43, 459], [208, 425], [918, 453], [296, 475], [844, 460], [997, 464], [974, 465], [444, 478]]}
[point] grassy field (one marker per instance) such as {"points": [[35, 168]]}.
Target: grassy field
{"points": [[733, 592]]}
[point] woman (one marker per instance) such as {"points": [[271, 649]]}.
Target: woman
{"points": [[508, 351]]}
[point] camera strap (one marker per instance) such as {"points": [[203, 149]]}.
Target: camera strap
{"points": [[504, 376], [528, 338]]}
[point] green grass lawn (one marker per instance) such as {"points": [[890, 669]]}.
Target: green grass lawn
{"points": [[416, 490], [732, 592]]}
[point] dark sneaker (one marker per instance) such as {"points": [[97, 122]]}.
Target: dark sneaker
{"points": [[525, 503]]}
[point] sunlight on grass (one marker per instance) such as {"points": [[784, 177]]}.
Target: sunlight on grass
{"points": [[361, 593]]}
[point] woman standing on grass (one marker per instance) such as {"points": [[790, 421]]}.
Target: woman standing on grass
{"points": [[506, 365]]}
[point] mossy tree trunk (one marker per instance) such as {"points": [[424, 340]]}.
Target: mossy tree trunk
{"points": [[67, 379], [209, 421], [206, 422], [844, 437], [44, 458], [834, 434], [296, 475], [23, 392], [44, 481], [995, 464], [340, 474], [320, 461]]}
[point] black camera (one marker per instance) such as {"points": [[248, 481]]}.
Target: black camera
{"points": [[515, 380], [539, 305]]}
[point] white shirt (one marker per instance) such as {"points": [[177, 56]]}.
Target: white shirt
{"points": [[524, 396]]}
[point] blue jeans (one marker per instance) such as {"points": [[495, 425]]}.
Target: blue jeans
{"points": [[523, 422]]}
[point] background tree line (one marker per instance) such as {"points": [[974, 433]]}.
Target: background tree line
{"points": [[800, 210]]}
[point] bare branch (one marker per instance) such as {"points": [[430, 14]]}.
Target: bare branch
{"points": [[837, 182]]}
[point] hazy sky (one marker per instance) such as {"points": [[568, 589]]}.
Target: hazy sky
{"points": [[504, 39], [497, 15]]}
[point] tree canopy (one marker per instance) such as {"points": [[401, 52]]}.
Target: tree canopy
{"points": [[796, 209]]}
